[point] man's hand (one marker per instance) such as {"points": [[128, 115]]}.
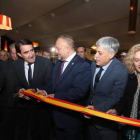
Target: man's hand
{"points": [[86, 115], [21, 95], [41, 92], [31, 89], [112, 111], [51, 95]]}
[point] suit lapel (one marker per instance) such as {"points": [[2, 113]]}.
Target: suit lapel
{"points": [[56, 71], [93, 69], [68, 68], [36, 69], [22, 70]]}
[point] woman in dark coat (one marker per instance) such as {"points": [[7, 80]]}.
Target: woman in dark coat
{"points": [[129, 106]]}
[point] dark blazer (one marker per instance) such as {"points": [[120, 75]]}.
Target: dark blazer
{"points": [[109, 90], [1, 64], [41, 77], [72, 87], [7, 84], [90, 62], [124, 107]]}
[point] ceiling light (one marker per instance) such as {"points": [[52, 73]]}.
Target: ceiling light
{"points": [[94, 46], [35, 44], [132, 16], [53, 49], [30, 25], [5, 22], [52, 14]]}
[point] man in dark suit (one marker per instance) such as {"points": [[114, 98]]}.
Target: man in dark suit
{"points": [[12, 115], [109, 78], [70, 82], [33, 72], [81, 51]]}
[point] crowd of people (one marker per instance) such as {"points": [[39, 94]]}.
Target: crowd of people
{"points": [[105, 84]]}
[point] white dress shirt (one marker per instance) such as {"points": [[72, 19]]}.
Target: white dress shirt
{"points": [[26, 68], [68, 61]]}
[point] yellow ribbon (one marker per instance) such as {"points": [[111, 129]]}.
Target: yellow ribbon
{"points": [[82, 109]]}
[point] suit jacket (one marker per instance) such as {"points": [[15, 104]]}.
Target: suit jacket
{"points": [[109, 90], [41, 76], [7, 85], [1, 64], [72, 87], [88, 61], [124, 107]]}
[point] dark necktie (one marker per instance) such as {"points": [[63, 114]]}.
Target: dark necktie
{"points": [[29, 73], [97, 78], [60, 71]]}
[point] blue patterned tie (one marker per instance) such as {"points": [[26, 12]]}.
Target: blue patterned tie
{"points": [[60, 72], [29, 74]]}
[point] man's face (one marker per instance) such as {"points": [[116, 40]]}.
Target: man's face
{"points": [[46, 55], [13, 54], [81, 52], [27, 53], [61, 49], [102, 56], [4, 55], [136, 61]]}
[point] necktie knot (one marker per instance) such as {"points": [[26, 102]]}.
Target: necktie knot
{"points": [[101, 69], [29, 64]]}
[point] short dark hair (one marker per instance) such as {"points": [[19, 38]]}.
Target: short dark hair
{"points": [[22, 42], [46, 51], [82, 47]]}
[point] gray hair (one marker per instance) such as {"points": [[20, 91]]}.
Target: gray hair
{"points": [[68, 39], [109, 43], [12, 46]]}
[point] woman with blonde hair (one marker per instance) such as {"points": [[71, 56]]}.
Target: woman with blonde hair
{"points": [[129, 106]]}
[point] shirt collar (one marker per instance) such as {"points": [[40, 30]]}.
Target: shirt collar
{"points": [[26, 63], [71, 57], [106, 66]]}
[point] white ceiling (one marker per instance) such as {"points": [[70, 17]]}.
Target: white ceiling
{"points": [[85, 21]]}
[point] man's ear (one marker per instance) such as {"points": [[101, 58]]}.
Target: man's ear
{"points": [[19, 54], [68, 49], [112, 54]]}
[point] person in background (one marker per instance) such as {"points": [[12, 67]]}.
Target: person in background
{"points": [[12, 115], [4, 55], [13, 52], [81, 51], [109, 78], [123, 55], [46, 54], [70, 82], [129, 106]]}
